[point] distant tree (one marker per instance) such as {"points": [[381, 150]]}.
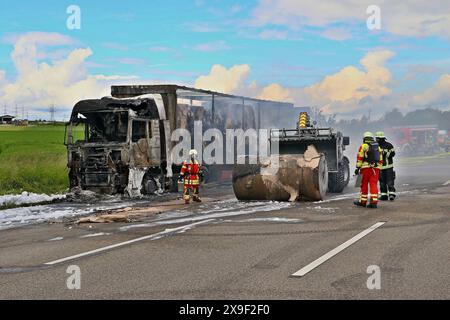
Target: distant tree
{"points": [[394, 117]]}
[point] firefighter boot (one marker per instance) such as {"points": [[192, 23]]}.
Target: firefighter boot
{"points": [[186, 196], [372, 205], [359, 203], [384, 198], [195, 195], [391, 197]]}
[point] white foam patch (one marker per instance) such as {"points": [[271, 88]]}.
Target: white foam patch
{"points": [[270, 219], [91, 235], [323, 209], [15, 217], [28, 198], [218, 211]]}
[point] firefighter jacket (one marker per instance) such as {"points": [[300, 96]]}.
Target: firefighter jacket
{"points": [[190, 171], [388, 154], [361, 158]]}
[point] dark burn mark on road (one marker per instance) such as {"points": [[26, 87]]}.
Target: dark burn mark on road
{"points": [[22, 269]]}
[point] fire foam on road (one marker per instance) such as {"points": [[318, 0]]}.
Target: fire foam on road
{"points": [[26, 198]]}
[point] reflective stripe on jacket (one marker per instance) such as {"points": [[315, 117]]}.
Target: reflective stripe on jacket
{"points": [[190, 172], [388, 154]]}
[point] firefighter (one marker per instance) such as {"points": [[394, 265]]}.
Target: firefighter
{"points": [[368, 163], [387, 173], [190, 173]]}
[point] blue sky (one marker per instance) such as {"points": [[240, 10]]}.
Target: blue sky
{"points": [[178, 41]]}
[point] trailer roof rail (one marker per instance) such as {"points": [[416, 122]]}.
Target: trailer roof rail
{"points": [[123, 91]]}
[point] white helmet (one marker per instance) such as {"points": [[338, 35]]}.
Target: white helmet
{"points": [[193, 153]]}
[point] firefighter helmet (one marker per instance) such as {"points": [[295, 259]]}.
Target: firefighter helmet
{"points": [[380, 135], [368, 134], [193, 153]]}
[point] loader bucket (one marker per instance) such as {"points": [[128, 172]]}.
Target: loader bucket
{"points": [[295, 177]]}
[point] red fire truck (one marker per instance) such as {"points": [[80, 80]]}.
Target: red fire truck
{"points": [[443, 140], [415, 140]]}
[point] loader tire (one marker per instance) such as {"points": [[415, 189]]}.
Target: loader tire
{"points": [[339, 180]]}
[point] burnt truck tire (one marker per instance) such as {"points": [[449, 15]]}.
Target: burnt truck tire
{"points": [[174, 183], [149, 186], [339, 180]]}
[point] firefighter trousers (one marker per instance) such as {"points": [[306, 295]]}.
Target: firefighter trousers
{"points": [[387, 180], [369, 180], [195, 193]]}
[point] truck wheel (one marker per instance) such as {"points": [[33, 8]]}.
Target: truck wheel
{"points": [[149, 186], [339, 180], [73, 180], [174, 184]]}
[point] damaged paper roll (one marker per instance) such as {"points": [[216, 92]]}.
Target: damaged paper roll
{"points": [[300, 177]]}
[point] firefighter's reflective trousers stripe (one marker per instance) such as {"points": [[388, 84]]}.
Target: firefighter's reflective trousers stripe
{"points": [[369, 181], [387, 180], [186, 193]]}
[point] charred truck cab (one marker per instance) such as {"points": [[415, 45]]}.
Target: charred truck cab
{"points": [[122, 144], [114, 145]]}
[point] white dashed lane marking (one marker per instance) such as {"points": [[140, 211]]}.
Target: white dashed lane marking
{"points": [[121, 244], [335, 251]]}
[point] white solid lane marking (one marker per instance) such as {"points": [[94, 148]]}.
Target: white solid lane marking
{"points": [[121, 244], [335, 251], [446, 183]]}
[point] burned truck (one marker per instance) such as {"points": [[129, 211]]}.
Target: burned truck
{"points": [[122, 144]]}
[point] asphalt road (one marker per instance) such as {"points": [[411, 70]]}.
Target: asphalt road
{"points": [[230, 250]]}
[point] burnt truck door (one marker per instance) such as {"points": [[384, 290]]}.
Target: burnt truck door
{"points": [[144, 140], [145, 170], [154, 141]]}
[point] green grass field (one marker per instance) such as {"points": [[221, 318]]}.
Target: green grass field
{"points": [[33, 159]]}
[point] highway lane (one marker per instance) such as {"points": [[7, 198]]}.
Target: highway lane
{"points": [[248, 253]]}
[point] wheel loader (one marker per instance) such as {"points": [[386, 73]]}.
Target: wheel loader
{"points": [[311, 162]]}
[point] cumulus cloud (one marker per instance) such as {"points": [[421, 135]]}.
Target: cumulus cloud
{"points": [[405, 18], [344, 91], [352, 84], [349, 93], [25, 51], [61, 82], [437, 95], [233, 81], [224, 80], [275, 92]]}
